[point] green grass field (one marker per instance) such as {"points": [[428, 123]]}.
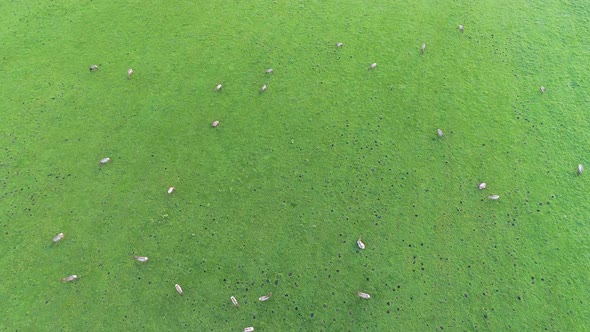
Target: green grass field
{"points": [[275, 197]]}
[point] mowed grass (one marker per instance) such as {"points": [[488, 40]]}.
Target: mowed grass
{"points": [[274, 199]]}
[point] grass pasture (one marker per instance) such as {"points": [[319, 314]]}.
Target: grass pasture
{"points": [[275, 197]]}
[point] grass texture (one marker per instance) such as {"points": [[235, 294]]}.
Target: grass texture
{"points": [[275, 197]]}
